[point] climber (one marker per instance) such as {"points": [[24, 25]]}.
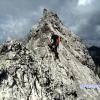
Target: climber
{"points": [[54, 43]]}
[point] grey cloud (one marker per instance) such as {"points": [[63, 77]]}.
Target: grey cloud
{"points": [[87, 21], [17, 17]]}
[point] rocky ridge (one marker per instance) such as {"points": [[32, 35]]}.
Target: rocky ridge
{"points": [[28, 70]]}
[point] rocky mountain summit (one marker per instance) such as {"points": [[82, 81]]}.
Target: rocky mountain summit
{"points": [[28, 70]]}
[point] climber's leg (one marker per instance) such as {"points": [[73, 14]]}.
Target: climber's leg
{"points": [[52, 47], [56, 53]]}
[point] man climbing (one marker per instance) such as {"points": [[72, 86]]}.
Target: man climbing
{"points": [[54, 43]]}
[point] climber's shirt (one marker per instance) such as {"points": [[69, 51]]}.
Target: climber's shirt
{"points": [[56, 39]]}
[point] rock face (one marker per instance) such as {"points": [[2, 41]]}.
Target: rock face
{"points": [[28, 70]]}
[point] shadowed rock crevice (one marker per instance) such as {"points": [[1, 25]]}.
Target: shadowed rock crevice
{"points": [[3, 75]]}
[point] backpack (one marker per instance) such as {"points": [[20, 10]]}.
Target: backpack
{"points": [[58, 40]]}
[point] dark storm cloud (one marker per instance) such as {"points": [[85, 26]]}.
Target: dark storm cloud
{"points": [[18, 16], [86, 21]]}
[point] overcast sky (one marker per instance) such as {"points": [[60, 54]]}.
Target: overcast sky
{"points": [[81, 16]]}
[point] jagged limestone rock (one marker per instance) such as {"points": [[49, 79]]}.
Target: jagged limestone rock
{"points": [[28, 70]]}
